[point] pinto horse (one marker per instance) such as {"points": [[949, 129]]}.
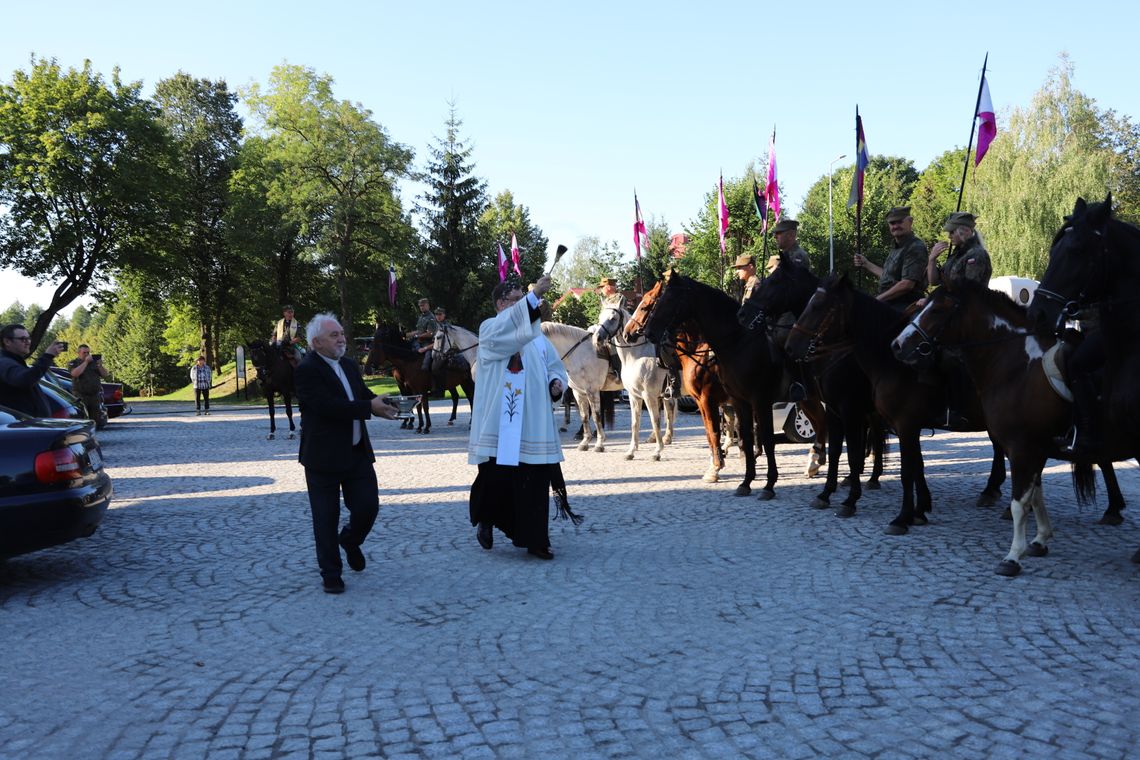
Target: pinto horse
{"points": [[700, 377], [390, 346], [274, 366], [749, 368], [1005, 357], [835, 377]]}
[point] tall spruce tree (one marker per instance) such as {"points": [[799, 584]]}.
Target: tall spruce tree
{"points": [[450, 271]]}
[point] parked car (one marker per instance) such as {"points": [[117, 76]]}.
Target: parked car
{"points": [[53, 488], [787, 419], [63, 405], [113, 405]]}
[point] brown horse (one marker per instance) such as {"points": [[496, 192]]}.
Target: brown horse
{"points": [[699, 375], [390, 346], [1005, 357]]}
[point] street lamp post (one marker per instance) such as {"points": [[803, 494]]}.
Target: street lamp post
{"points": [[830, 222]]}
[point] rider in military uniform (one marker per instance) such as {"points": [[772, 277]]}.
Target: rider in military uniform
{"points": [[785, 233], [437, 363], [610, 295], [902, 278], [968, 259], [424, 330], [745, 267]]}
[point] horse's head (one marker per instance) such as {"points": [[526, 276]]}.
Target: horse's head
{"points": [[918, 342], [1077, 275], [670, 309], [259, 354], [635, 327], [787, 289], [440, 342], [385, 335], [824, 319], [611, 322]]}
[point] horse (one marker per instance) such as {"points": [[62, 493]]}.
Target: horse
{"points": [[274, 366], [834, 377], [748, 369], [588, 376], [1006, 358], [389, 345], [456, 345], [643, 378], [699, 376]]}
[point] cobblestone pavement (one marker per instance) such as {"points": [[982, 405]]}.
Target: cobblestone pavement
{"points": [[678, 621]]}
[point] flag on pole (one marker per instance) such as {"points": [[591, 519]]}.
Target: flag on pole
{"points": [[987, 130], [640, 233], [723, 213], [761, 203], [861, 161], [515, 254], [772, 189], [502, 263], [392, 283]]}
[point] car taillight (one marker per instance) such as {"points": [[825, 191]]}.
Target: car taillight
{"points": [[63, 413], [117, 396], [57, 465]]}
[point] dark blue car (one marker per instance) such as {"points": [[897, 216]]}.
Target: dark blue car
{"points": [[53, 488]]}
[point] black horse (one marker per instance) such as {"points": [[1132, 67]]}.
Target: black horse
{"points": [[834, 377], [274, 365], [749, 370]]}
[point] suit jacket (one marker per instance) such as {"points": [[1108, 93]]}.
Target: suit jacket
{"points": [[327, 414]]}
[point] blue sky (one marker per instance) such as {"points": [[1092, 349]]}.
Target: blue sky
{"points": [[571, 106]]}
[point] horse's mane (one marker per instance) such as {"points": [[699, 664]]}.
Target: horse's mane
{"points": [[463, 331], [393, 341], [873, 324], [994, 301], [562, 330]]}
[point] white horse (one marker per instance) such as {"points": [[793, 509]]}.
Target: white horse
{"points": [[643, 378], [453, 340], [588, 374]]}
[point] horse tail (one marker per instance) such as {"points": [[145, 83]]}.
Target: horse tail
{"points": [[1084, 482], [608, 408]]}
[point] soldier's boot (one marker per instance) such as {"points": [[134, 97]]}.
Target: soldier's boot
{"points": [[615, 366], [1085, 441], [672, 385]]}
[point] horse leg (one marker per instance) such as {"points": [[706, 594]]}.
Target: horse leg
{"points": [[817, 456], [856, 458], [420, 415], [908, 446], [992, 492], [1022, 487], [835, 446], [1112, 515], [651, 404], [710, 415], [768, 438], [598, 413], [289, 414], [426, 403], [747, 445], [272, 420], [878, 453], [670, 409], [634, 423], [585, 412], [454, 406], [1039, 546]]}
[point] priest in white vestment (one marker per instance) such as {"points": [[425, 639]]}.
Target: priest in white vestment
{"points": [[514, 438]]}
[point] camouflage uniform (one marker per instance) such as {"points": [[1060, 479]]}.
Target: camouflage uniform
{"points": [[970, 261], [905, 261]]}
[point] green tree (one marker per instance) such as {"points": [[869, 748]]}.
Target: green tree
{"points": [[1059, 148], [655, 259], [339, 170], [201, 266], [499, 220], [587, 262], [454, 267], [888, 182], [81, 178], [935, 195], [703, 259]]}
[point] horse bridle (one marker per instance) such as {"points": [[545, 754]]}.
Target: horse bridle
{"points": [[451, 350], [612, 335], [815, 338]]}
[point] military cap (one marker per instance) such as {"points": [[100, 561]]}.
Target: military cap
{"points": [[743, 260], [607, 281], [422, 300], [959, 219], [440, 310], [898, 213], [784, 225], [286, 307]]}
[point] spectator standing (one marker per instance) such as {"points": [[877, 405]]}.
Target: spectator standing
{"points": [[202, 377], [19, 383], [87, 375]]}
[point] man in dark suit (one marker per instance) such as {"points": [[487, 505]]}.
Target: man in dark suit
{"points": [[335, 449]]}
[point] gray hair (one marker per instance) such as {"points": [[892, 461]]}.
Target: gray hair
{"points": [[313, 329]]}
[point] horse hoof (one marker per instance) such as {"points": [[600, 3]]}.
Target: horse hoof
{"points": [[629, 455], [987, 499], [561, 430], [846, 482], [450, 423], [667, 440], [845, 511], [896, 530], [743, 490], [650, 439], [1037, 550], [1111, 518], [766, 494], [711, 477], [919, 519], [812, 470], [656, 457], [1008, 568], [820, 503], [1007, 514], [583, 445], [292, 436], [599, 449], [269, 437], [873, 484]]}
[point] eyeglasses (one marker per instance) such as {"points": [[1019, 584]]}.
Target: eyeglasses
{"points": [[897, 223], [22, 338]]}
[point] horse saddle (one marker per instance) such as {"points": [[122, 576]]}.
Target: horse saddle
{"points": [[1053, 363]]}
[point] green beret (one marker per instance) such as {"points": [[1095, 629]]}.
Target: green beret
{"points": [[898, 213]]}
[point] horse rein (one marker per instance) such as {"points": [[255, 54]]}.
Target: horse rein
{"points": [[607, 335]]}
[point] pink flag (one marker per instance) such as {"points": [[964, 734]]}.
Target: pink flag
{"points": [[392, 284], [772, 189], [723, 214], [987, 130], [515, 254], [640, 235], [502, 263]]}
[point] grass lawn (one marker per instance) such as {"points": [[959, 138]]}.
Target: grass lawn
{"points": [[227, 391]]}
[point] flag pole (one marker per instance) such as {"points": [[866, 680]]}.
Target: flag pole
{"points": [[973, 127], [636, 232]]}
